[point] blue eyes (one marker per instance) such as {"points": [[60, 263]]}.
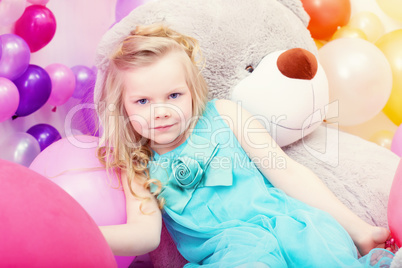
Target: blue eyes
{"points": [[171, 96], [142, 101], [174, 95]]}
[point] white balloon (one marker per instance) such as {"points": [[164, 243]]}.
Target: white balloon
{"points": [[20, 148], [359, 78]]}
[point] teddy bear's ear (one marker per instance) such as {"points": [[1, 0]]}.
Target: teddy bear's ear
{"points": [[297, 7]]}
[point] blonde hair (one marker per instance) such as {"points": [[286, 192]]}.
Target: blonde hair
{"points": [[122, 147]]}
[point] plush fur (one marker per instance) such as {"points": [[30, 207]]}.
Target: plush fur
{"points": [[234, 34]]}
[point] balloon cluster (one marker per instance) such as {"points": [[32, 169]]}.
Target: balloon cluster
{"points": [[362, 62], [25, 87], [363, 65]]}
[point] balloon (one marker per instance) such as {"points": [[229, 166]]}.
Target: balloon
{"points": [[43, 226], [349, 32], [72, 164], [392, 8], [15, 56], [85, 79], [9, 99], [63, 83], [34, 86], [37, 26], [394, 207], [319, 43], [326, 16], [11, 10], [1, 48], [369, 128], [124, 7], [38, 2], [382, 138], [359, 77], [369, 23], [20, 148], [45, 134], [396, 145], [390, 44]]}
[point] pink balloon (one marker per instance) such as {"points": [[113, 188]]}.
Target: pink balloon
{"points": [[396, 145], [63, 83], [42, 226], [15, 56], [73, 165], [37, 26], [38, 2], [11, 10], [394, 211], [9, 99]]}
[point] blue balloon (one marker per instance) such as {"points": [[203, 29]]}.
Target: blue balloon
{"points": [[34, 86], [45, 134]]}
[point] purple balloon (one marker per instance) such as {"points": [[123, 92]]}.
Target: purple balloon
{"points": [[45, 134], [15, 56], [85, 79], [124, 7], [34, 86], [1, 48]]}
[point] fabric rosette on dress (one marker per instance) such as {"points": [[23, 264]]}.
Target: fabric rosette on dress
{"points": [[190, 169]]}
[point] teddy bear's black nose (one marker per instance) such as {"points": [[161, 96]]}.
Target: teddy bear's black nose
{"points": [[297, 63]]}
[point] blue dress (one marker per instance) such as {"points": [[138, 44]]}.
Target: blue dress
{"points": [[222, 212]]}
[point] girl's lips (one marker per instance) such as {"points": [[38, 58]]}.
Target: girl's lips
{"points": [[163, 128]]}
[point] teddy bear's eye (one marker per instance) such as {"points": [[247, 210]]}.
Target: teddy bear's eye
{"points": [[249, 69]]}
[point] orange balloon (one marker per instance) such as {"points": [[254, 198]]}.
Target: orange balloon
{"points": [[326, 16], [391, 45]]}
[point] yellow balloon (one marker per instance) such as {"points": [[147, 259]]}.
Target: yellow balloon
{"points": [[349, 32], [319, 43], [391, 45], [369, 23], [392, 8], [383, 138]]}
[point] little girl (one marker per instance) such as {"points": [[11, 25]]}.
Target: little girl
{"points": [[208, 166]]}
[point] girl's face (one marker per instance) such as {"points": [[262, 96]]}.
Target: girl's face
{"points": [[158, 102]]}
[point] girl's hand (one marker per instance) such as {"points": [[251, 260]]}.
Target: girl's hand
{"points": [[374, 237]]}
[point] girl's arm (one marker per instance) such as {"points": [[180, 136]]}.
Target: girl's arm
{"points": [[295, 179], [141, 234]]}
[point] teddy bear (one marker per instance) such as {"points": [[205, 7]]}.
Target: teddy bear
{"points": [[261, 54]]}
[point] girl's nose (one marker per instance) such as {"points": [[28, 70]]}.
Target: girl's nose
{"points": [[162, 112]]}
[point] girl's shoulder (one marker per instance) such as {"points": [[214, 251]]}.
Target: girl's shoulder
{"points": [[218, 113], [230, 112], [226, 108]]}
